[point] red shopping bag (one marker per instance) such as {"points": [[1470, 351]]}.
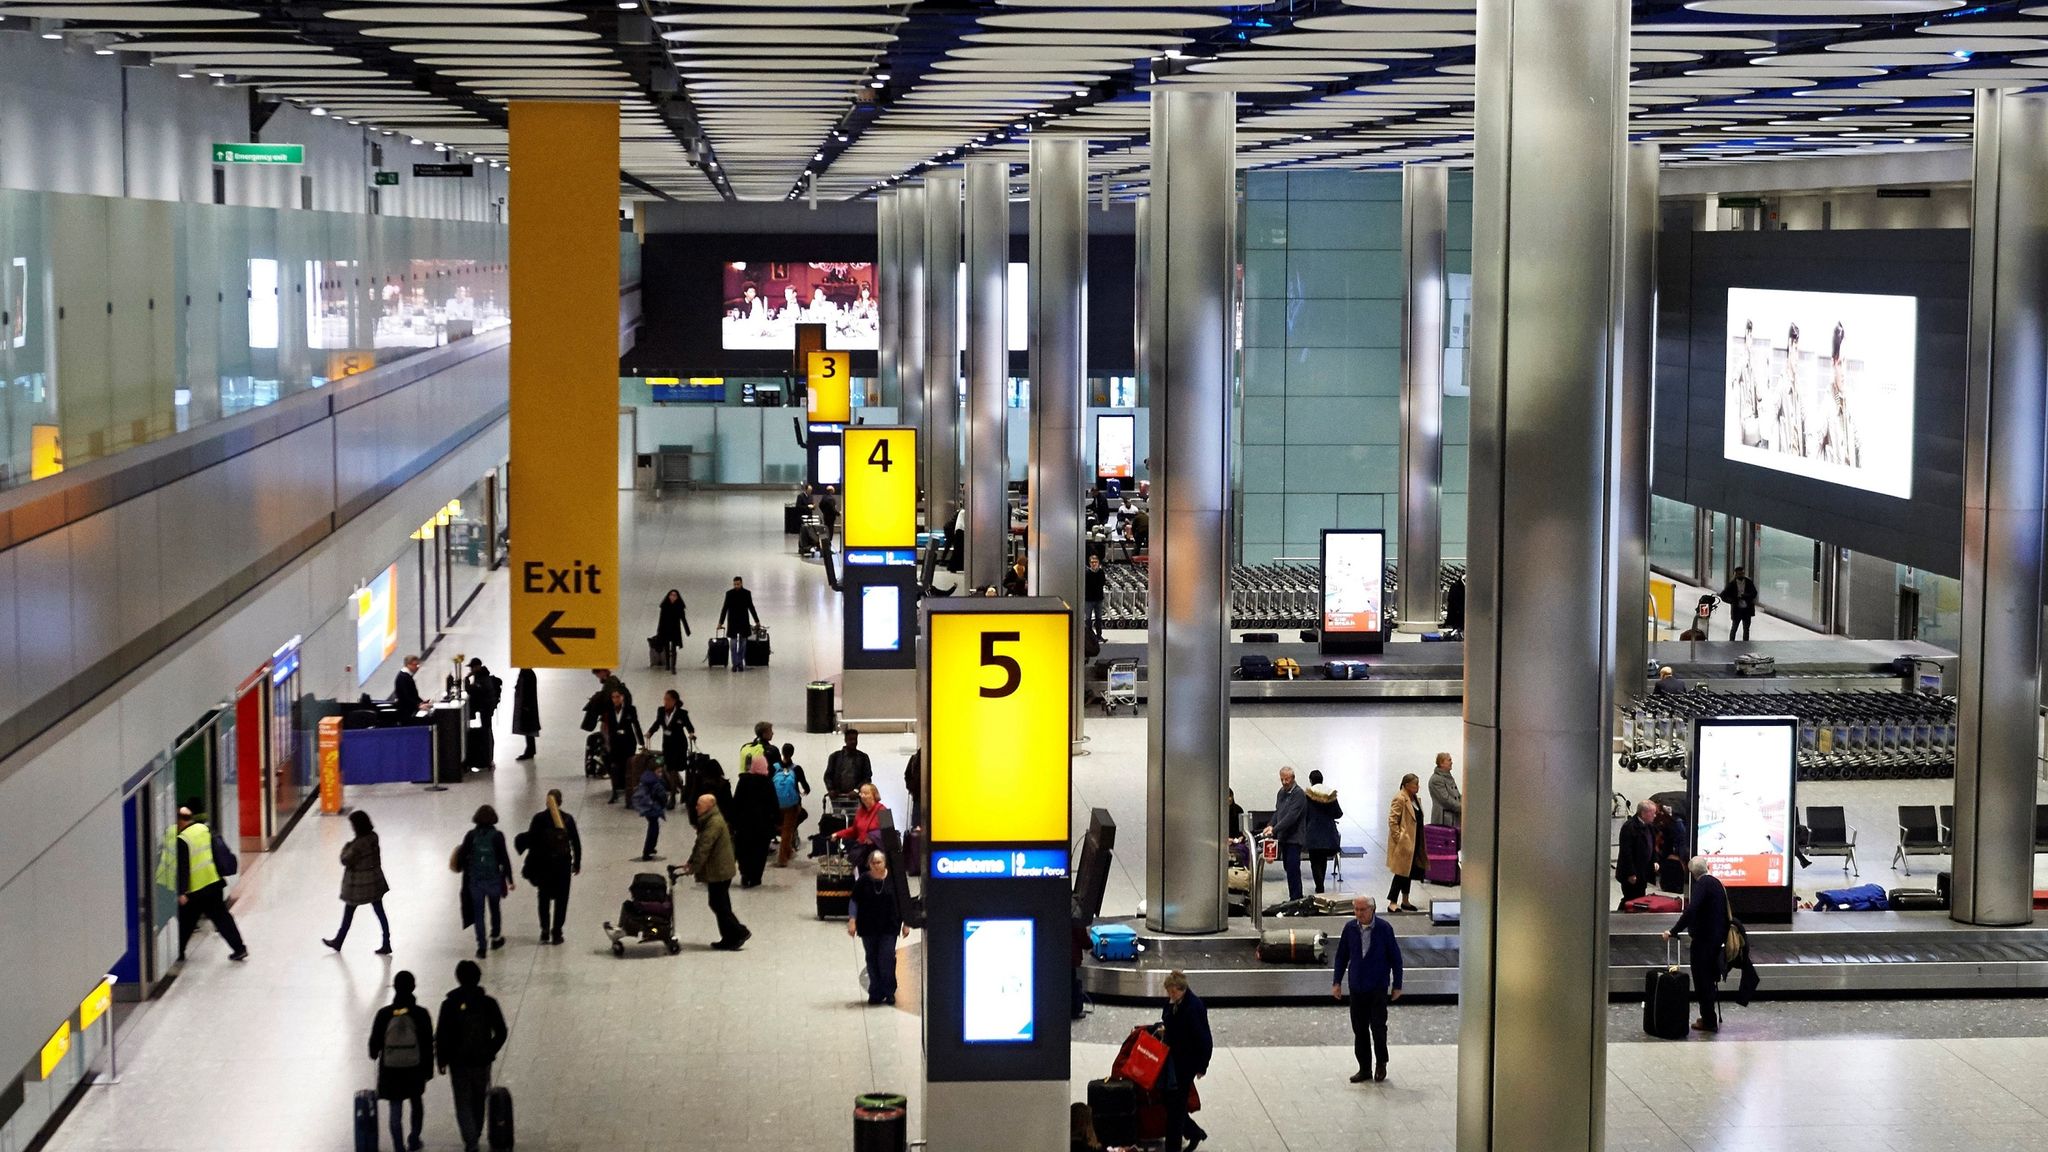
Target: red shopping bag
{"points": [[1141, 1059]]}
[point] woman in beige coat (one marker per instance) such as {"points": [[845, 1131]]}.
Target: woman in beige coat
{"points": [[1405, 858]]}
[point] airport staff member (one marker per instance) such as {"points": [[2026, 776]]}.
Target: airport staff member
{"points": [[202, 891], [1706, 916], [1370, 955], [405, 694]]}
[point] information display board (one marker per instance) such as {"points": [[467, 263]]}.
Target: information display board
{"points": [[376, 623], [1116, 447], [1354, 589], [829, 375], [996, 964], [998, 692], [880, 508], [1744, 772]]}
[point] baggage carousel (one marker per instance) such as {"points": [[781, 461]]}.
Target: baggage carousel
{"points": [[1876, 954]]}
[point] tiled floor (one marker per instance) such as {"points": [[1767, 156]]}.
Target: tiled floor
{"points": [[763, 1050]]}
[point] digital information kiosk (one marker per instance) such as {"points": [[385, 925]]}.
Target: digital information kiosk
{"points": [[993, 719], [828, 408], [879, 532], [1354, 592], [1744, 773]]}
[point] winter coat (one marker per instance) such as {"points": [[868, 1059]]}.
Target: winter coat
{"points": [[674, 620], [525, 703], [362, 871], [650, 797], [485, 885], [1290, 814], [1323, 814], [712, 859], [403, 1083], [1404, 834], [471, 1029], [756, 814], [551, 858], [1446, 801]]}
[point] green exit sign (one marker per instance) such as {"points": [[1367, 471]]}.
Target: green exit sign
{"points": [[259, 153], [386, 179]]}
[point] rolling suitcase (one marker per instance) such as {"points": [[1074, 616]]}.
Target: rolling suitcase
{"points": [[594, 763], [1440, 852], [1255, 668], [1916, 900], [498, 1119], [1667, 998], [1291, 946], [366, 1121], [757, 648], [1346, 669], [1113, 1106], [1654, 902], [717, 651], [835, 887], [1113, 942]]}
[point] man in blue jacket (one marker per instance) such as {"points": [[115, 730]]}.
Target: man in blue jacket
{"points": [[1706, 915], [1368, 952]]}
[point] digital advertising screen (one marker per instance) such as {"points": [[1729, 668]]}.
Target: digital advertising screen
{"points": [[995, 982], [1354, 574], [376, 623], [831, 468], [881, 621], [1743, 771], [1116, 447], [1820, 384], [765, 302]]}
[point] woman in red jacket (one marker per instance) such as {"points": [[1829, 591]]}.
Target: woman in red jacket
{"points": [[866, 829]]}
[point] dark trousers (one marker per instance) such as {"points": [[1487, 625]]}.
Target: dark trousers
{"points": [[1095, 618], [212, 903], [1180, 1127], [1397, 892], [470, 1086], [1706, 977], [1631, 891], [482, 743], [751, 850], [1369, 1027], [348, 915], [484, 903], [718, 894], [881, 958], [419, 1114], [554, 907], [1741, 623], [530, 749], [1319, 865], [1290, 859], [653, 834]]}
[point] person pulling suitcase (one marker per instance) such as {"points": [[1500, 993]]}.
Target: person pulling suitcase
{"points": [[1706, 917]]}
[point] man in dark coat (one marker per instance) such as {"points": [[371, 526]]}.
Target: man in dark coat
{"points": [[1635, 860], [1740, 596], [480, 688], [1706, 917], [848, 768], [1184, 1026], [737, 617], [470, 1032], [1290, 827], [405, 693], [526, 709]]}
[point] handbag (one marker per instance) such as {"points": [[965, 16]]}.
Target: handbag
{"points": [[1194, 1098]]}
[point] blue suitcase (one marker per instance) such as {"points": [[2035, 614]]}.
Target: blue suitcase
{"points": [[1347, 670], [1113, 942]]}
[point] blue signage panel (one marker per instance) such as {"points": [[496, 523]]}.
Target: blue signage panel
{"points": [[880, 556], [999, 864]]}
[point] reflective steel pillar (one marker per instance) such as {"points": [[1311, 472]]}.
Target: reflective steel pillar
{"points": [[1546, 268], [1059, 379], [1141, 281], [988, 370], [888, 289], [910, 363], [2004, 468], [1192, 274], [1632, 428], [1425, 216], [940, 446]]}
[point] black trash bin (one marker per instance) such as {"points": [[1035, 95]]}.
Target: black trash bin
{"points": [[820, 714], [881, 1123]]}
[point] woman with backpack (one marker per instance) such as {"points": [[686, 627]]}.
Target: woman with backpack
{"points": [[362, 880], [402, 1044], [650, 800], [790, 790], [554, 853], [486, 868]]}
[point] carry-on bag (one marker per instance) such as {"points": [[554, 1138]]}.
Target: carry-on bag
{"points": [[1916, 900], [1113, 942], [1255, 668], [835, 887], [1291, 946], [1654, 902], [1113, 1108], [498, 1119], [1141, 1059], [366, 1121], [717, 651], [1667, 998], [1262, 637], [757, 650]]}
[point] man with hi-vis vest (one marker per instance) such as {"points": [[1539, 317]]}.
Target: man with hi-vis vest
{"points": [[202, 890]]}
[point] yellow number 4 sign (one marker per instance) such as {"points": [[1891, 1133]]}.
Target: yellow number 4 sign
{"points": [[830, 375], [881, 487]]}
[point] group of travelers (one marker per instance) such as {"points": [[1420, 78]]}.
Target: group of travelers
{"points": [[409, 1046], [1304, 820]]}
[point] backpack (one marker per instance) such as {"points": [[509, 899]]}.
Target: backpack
{"points": [[224, 861], [401, 1041], [785, 787], [483, 855]]}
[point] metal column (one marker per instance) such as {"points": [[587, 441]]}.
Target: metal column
{"points": [[910, 364], [1632, 428], [940, 446], [988, 370], [1141, 292], [2004, 468], [1551, 114], [1192, 272], [888, 289], [1059, 379], [1425, 216]]}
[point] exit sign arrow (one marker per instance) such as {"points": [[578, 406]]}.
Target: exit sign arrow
{"points": [[548, 631]]}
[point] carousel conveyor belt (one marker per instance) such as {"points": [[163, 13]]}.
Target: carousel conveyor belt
{"points": [[1849, 953]]}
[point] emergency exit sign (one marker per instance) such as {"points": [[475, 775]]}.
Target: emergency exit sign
{"points": [[387, 179], [259, 153]]}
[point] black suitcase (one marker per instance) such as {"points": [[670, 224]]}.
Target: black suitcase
{"points": [[835, 887], [1916, 900], [1290, 946], [1262, 637], [594, 763], [366, 1121], [1667, 998], [1113, 1109], [717, 651], [1254, 668], [757, 651], [498, 1119]]}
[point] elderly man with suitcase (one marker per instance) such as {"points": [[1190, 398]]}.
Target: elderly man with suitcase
{"points": [[1706, 916]]}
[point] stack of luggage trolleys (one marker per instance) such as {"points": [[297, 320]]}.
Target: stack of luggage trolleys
{"points": [[1284, 597], [1843, 734]]}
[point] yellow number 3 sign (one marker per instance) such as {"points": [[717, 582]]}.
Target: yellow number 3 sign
{"points": [[830, 375]]}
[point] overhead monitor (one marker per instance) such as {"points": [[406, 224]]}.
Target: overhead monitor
{"points": [[997, 1000], [830, 468], [1820, 384], [764, 301], [1743, 773], [1116, 447]]}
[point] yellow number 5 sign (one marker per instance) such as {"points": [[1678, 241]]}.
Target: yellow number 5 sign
{"points": [[830, 374], [996, 725], [881, 487]]}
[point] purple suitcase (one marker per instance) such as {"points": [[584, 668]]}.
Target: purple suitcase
{"points": [[1440, 848]]}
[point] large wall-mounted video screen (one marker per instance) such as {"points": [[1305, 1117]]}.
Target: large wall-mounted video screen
{"points": [[1820, 384], [764, 302]]}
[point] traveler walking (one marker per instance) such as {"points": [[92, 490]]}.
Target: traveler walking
{"points": [[1446, 800], [1320, 836], [481, 690], [1289, 825], [486, 869], [762, 745], [1635, 857], [713, 865], [756, 816], [1706, 917], [623, 738], [526, 710], [672, 623], [737, 618], [201, 888], [402, 1044], [828, 515], [1672, 845], [1406, 858], [554, 853], [875, 915], [790, 789], [1740, 596], [848, 767], [362, 881], [1092, 583], [705, 777], [1184, 1026], [672, 724], [469, 1034], [650, 800], [1370, 956]]}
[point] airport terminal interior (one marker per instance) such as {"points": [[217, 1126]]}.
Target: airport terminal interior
{"points": [[1562, 480]]}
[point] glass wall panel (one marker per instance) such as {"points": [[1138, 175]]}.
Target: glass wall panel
{"points": [[1785, 576], [1671, 538]]}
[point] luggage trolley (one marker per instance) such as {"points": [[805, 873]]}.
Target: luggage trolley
{"points": [[1122, 687]]}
